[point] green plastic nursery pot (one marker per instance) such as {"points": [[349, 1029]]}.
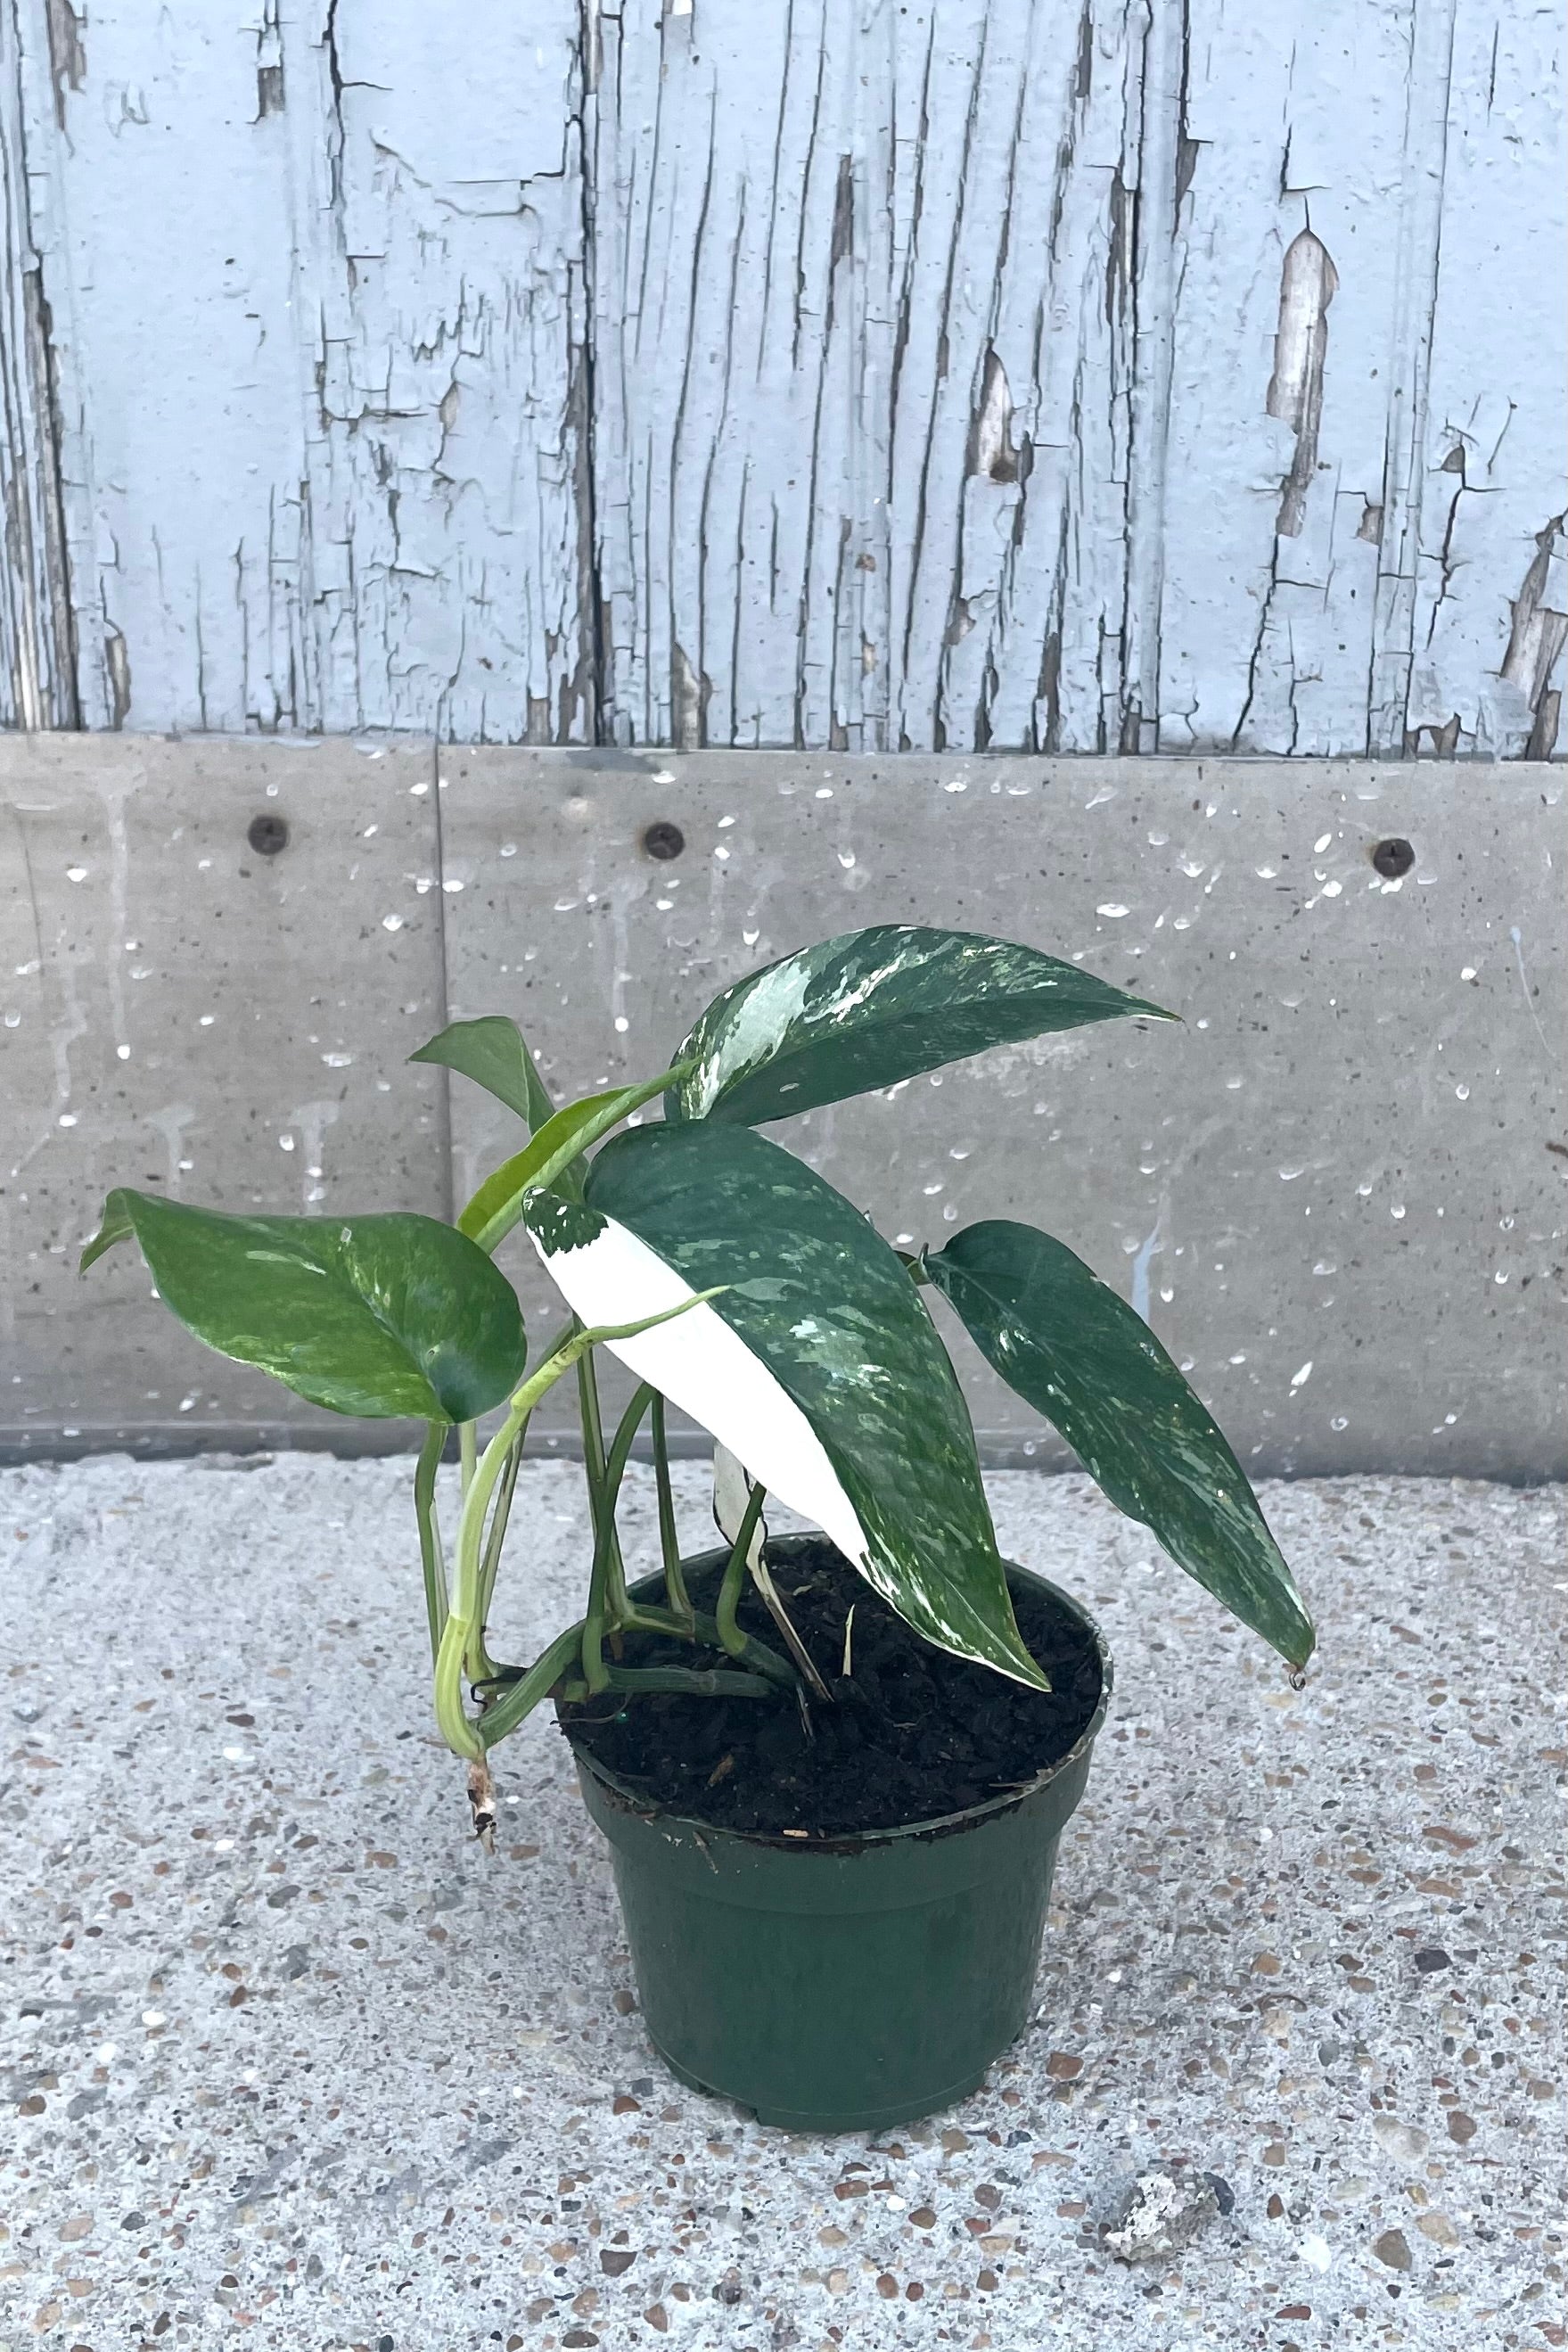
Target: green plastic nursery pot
{"points": [[845, 1983]]}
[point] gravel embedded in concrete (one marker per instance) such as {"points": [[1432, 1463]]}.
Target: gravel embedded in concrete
{"points": [[292, 2065]]}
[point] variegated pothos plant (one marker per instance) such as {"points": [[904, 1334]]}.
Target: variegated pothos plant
{"points": [[739, 1286]]}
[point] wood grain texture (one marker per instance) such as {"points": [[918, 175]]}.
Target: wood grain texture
{"points": [[863, 318], [977, 377], [38, 654], [1078, 375], [318, 309], [1490, 567]]}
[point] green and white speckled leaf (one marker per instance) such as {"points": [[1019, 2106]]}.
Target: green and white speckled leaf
{"points": [[379, 1316], [871, 1008], [1080, 1355], [818, 1367]]}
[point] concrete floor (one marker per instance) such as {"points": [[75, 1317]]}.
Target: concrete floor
{"points": [[292, 2065]]}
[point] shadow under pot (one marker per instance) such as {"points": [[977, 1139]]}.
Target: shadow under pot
{"points": [[834, 1977]]}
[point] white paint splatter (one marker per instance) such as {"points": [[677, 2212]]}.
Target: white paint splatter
{"points": [[1518, 939], [1149, 1248]]}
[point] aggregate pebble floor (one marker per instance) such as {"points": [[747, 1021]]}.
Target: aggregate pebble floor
{"points": [[291, 2063]]}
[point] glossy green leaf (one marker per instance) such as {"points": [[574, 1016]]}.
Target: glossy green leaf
{"points": [[1078, 1353], [818, 1367], [493, 1053], [379, 1316], [497, 1206], [871, 1008], [551, 1159]]}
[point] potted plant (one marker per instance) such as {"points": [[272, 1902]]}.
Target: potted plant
{"points": [[832, 1768]]}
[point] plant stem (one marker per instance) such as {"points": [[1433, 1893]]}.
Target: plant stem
{"points": [[467, 1450], [593, 1478], [602, 1501], [676, 1591], [729, 1592], [630, 1099], [525, 1695], [626, 1429], [608, 1606], [460, 1736], [693, 1682], [431, 1561], [481, 1665], [641, 1619]]}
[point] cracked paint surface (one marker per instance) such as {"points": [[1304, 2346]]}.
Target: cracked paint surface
{"points": [[317, 323], [852, 378]]}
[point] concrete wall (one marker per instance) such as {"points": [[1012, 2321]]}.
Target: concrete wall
{"points": [[1338, 1192], [1135, 375]]}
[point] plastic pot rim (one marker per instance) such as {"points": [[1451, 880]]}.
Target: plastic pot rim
{"points": [[858, 1840]]}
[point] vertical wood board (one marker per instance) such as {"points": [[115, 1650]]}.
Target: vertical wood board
{"points": [[1125, 375], [318, 311]]}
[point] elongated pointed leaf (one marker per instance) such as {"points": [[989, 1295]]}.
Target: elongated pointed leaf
{"points": [[492, 1052], [818, 1367], [495, 1207], [871, 1008], [379, 1316], [553, 1160], [1079, 1354]]}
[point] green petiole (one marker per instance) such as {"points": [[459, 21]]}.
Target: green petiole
{"points": [[729, 1592], [669, 1535], [453, 1653], [431, 1561]]}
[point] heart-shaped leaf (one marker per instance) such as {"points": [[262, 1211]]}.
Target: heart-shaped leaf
{"points": [[493, 1053], [873, 1007], [379, 1317], [1078, 1353], [818, 1367]]}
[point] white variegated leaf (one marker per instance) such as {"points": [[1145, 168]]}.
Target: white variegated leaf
{"points": [[815, 1363], [731, 1494], [701, 1366], [871, 1008]]}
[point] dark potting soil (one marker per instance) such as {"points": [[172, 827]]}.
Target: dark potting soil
{"points": [[912, 1733]]}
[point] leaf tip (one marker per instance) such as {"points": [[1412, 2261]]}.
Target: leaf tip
{"points": [[116, 1226]]}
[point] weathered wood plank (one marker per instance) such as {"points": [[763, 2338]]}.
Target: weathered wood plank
{"points": [[165, 261], [37, 666], [439, 292], [863, 317], [1299, 125], [970, 384], [318, 309], [1143, 375], [1491, 602]]}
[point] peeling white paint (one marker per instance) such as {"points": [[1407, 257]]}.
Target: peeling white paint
{"points": [[872, 379]]}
